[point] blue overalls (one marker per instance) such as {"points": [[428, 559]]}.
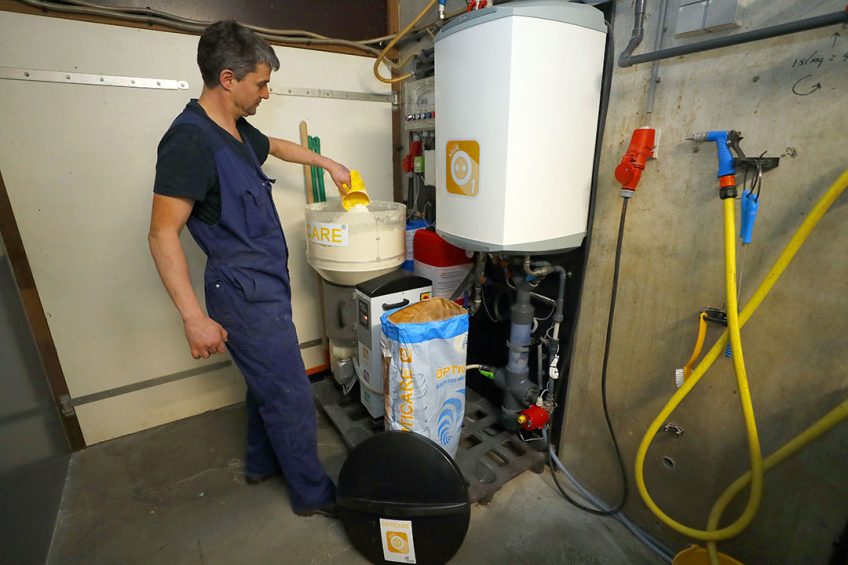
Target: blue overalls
{"points": [[249, 294]]}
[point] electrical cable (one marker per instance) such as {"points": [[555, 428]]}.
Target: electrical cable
{"points": [[606, 87], [415, 33], [625, 489], [605, 90], [548, 316], [362, 380], [497, 317], [387, 48], [174, 17], [652, 543], [151, 17]]}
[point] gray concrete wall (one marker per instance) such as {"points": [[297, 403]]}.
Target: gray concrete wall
{"points": [[672, 266]]}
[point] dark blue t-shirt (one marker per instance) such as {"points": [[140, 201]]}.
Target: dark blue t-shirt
{"points": [[185, 165]]}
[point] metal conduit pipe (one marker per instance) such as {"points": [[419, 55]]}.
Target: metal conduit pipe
{"points": [[474, 276], [542, 269], [626, 59], [655, 68]]}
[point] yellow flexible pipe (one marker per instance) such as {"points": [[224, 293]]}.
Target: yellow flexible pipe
{"points": [[744, 398], [392, 43], [734, 324], [789, 449]]}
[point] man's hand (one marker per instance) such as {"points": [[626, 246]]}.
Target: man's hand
{"points": [[205, 336], [340, 175], [294, 153]]}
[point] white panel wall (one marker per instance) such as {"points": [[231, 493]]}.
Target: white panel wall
{"points": [[78, 162]]}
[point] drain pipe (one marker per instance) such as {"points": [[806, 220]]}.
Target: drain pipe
{"points": [[514, 379], [542, 269], [627, 59], [636, 36]]}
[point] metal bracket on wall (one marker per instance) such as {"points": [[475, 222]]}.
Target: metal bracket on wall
{"points": [[674, 429], [67, 404], [11, 73], [389, 97]]}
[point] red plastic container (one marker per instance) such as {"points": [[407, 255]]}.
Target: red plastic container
{"points": [[436, 259]]}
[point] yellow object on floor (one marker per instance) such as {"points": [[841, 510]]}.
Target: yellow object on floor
{"points": [[697, 555]]}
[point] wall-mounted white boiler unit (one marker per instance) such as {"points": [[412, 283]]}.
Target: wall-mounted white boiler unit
{"points": [[517, 94]]}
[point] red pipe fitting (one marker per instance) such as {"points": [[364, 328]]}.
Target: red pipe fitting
{"points": [[533, 418], [408, 161]]}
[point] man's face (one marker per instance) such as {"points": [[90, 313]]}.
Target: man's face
{"points": [[251, 90]]}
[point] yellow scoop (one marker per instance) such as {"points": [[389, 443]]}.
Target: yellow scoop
{"points": [[357, 193]]}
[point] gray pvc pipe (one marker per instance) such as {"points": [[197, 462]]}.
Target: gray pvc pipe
{"points": [[835, 18], [636, 36], [652, 543]]}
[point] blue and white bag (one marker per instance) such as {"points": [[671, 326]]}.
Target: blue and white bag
{"points": [[424, 347]]}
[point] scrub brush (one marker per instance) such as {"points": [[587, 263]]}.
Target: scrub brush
{"points": [[680, 375]]}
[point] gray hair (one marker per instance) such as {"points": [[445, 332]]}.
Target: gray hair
{"points": [[229, 45]]}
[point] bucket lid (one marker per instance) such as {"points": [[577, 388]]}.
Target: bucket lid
{"points": [[403, 476]]}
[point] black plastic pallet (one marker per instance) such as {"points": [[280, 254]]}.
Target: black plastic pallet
{"points": [[489, 456]]}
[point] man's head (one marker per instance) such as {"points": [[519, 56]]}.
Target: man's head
{"points": [[236, 59]]}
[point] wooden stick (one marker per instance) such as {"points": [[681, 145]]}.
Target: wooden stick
{"points": [[307, 180], [307, 173]]}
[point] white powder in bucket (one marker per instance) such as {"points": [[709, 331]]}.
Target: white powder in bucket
{"points": [[359, 209]]}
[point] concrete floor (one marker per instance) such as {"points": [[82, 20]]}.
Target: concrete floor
{"points": [[176, 494]]}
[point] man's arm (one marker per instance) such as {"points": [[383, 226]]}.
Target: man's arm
{"points": [[205, 336], [294, 153]]}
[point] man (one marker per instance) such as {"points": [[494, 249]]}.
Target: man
{"points": [[208, 177]]}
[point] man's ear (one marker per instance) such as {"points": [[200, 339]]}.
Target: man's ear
{"points": [[227, 78]]}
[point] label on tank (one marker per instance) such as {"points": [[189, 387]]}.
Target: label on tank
{"points": [[333, 235], [463, 167], [397, 540]]}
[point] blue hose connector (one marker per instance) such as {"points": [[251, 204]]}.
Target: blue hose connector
{"points": [[750, 205]]}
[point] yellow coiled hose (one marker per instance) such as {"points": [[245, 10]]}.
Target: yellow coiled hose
{"points": [[735, 322], [800, 441]]}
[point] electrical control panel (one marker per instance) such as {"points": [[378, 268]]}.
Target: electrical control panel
{"points": [[419, 105]]}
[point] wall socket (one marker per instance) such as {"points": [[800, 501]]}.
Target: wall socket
{"points": [[696, 17]]}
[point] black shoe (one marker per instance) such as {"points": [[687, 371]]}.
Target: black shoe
{"points": [[328, 511], [258, 478]]}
